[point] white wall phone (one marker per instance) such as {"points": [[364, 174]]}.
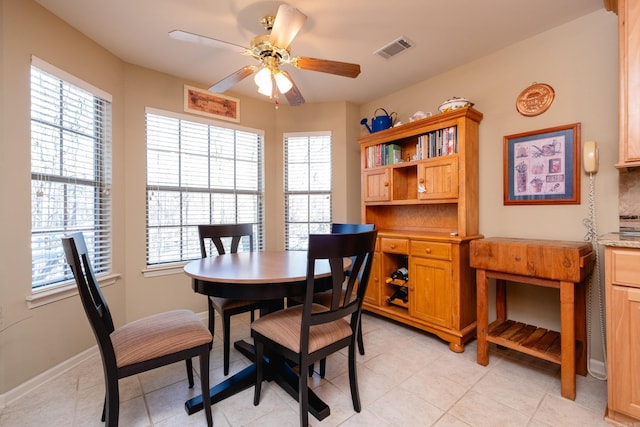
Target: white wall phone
{"points": [[590, 166], [590, 157]]}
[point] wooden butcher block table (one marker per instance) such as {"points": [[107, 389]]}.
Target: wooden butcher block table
{"points": [[551, 263]]}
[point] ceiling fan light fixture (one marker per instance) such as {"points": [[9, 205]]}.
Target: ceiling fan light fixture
{"points": [[283, 82], [266, 89], [263, 77]]}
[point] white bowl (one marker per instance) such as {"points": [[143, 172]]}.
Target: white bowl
{"points": [[453, 104]]}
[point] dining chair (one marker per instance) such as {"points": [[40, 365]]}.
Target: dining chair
{"points": [[323, 297], [217, 234], [309, 332], [141, 345]]}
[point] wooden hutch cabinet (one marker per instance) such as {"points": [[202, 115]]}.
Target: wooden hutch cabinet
{"points": [[420, 189]]}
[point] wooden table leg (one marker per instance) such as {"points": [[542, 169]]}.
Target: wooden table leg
{"points": [[568, 340], [482, 304], [501, 299], [581, 326]]}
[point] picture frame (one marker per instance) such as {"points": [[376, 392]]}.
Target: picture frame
{"points": [[205, 103], [542, 167]]}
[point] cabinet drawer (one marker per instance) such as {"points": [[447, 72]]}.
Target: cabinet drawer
{"points": [[398, 246], [625, 266], [430, 249]]}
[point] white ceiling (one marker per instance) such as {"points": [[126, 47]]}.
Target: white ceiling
{"points": [[445, 33]]}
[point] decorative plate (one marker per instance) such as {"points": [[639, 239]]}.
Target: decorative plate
{"points": [[535, 100]]}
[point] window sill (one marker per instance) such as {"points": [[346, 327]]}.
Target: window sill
{"points": [[164, 270], [66, 290]]}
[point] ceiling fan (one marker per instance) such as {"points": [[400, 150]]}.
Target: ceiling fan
{"points": [[272, 50]]}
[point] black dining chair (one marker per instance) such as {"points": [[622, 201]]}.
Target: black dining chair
{"points": [[141, 345], [309, 332], [322, 297], [217, 234]]}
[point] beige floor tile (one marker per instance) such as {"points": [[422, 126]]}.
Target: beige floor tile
{"points": [[406, 378]]}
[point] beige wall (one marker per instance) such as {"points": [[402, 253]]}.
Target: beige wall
{"points": [[580, 61]]}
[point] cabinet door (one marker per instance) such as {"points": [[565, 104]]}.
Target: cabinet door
{"points": [[372, 294], [430, 294], [630, 81], [624, 350], [377, 185], [438, 178]]}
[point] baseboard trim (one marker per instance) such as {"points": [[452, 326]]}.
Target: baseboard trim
{"points": [[597, 369], [28, 386]]}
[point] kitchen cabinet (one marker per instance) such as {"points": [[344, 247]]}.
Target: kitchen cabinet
{"points": [[629, 69], [622, 289], [424, 203]]}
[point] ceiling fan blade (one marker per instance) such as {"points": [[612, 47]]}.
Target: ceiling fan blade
{"points": [[344, 69], [206, 41], [232, 79], [293, 95], [288, 22]]}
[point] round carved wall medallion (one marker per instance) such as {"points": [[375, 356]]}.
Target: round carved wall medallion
{"points": [[535, 99]]}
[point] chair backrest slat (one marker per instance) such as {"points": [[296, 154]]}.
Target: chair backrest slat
{"points": [[338, 228], [95, 306], [217, 232]]}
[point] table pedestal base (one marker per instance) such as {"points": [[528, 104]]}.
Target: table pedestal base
{"points": [[279, 371]]}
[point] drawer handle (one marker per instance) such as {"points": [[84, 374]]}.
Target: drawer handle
{"points": [[517, 258], [393, 246], [428, 250], [386, 184], [421, 180]]}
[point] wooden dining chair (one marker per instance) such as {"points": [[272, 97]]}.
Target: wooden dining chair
{"points": [[141, 345], [323, 297], [217, 234], [310, 332]]}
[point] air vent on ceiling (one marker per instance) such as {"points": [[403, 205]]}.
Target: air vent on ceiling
{"points": [[394, 48]]}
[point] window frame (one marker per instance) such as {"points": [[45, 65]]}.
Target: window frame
{"points": [[158, 268], [312, 226], [63, 284]]}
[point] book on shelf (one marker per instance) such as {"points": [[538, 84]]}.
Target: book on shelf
{"points": [[382, 155], [441, 142]]}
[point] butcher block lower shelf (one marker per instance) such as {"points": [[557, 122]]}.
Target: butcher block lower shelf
{"points": [[532, 340]]}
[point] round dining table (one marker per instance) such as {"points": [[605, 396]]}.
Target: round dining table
{"points": [[267, 275]]}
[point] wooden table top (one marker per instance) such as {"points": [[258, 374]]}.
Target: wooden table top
{"points": [[255, 267]]}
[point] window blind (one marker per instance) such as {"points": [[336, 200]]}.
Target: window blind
{"points": [[70, 172], [307, 182], [199, 173]]}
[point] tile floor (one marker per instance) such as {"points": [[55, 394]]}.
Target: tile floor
{"points": [[407, 378]]}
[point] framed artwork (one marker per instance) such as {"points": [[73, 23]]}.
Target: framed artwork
{"points": [[542, 166], [205, 103]]}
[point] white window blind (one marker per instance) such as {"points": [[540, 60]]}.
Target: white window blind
{"points": [[70, 172], [307, 183], [199, 173]]}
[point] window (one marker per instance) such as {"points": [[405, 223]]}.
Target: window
{"points": [[70, 172], [307, 183], [199, 173]]}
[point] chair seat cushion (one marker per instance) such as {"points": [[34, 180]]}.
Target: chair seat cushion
{"points": [[284, 327], [222, 304], [158, 335]]}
